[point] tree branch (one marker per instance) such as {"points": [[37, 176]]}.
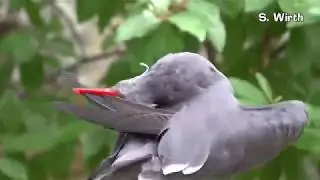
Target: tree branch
{"points": [[69, 24], [7, 26], [211, 52], [53, 76]]}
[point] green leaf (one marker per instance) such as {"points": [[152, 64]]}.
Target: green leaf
{"points": [[35, 122], [314, 114], [6, 69], [256, 5], [86, 9], [109, 9], [234, 52], [208, 15], [300, 51], [58, 160], [42, 107], [13, 169], [204, 10], [308, 8], [34, 13], [10, 120], [166, 38], [37, 169], [264, 85], [188, 22], [312, 38], [17, 4], [52, 62], [250, 175], [113, 75], [95, 141], [137, 26], [309, 140], [95, 160], [61, 46], [32, 73], [217, 34], [29, 142], [230, 7], [21, 45], [189, 42], [73, 131], [248, 91], [293, 164], [272, 170], [55, 25]]}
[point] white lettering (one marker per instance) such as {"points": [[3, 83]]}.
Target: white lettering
{"points": [[263, 17], [288, 17]]}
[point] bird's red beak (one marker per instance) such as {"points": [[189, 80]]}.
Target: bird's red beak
{"points": [[97, 91]]}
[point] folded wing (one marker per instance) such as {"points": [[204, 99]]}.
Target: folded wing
{"points": [[270, 129], [130, 121]]}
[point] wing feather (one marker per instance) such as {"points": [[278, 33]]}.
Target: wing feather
{"points": [[134, 122]]}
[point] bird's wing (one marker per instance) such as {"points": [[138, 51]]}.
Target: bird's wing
{"points": [[185, 145], [106, 165], [237, 141], [130, 121], [259, 134], [198, 127], [114, 109], [135, 151], [270, 129]]}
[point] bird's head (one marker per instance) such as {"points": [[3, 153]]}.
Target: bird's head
{"points": [[173, 79]]}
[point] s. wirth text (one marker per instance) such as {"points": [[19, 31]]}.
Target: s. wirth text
{"points": [[281, 17]]}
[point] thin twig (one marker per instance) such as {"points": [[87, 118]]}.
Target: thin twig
{"points": [[211, 52], [53, 76]]}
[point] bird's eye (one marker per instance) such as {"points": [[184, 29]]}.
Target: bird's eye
{"points": [[212, 69], [161, 103]]}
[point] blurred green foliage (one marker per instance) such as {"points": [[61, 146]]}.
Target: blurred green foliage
{"points": [[268, 62]]}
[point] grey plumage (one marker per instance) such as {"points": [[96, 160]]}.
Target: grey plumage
{"points": [[197, 131], [171, 80]]}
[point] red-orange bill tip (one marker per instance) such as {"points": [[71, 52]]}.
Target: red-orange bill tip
{"points": [[96, 91]]}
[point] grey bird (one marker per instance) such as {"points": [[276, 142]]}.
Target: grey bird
{"points": [[184, 122]]}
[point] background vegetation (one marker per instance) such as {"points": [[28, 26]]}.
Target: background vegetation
{"points": [[268, 62]]}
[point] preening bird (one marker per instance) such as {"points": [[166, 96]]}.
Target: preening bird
{"points": [[180, 120]]}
